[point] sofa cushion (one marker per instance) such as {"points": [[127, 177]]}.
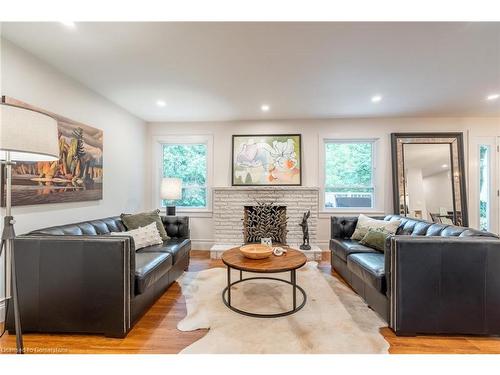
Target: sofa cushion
{"points": [[86, 228], [476, 233], [177, 247], [149, 268], [344, 248], [420, 228], [108, 225], [370, 268]]}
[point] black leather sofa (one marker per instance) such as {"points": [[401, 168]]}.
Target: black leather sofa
{"points": [[430, 279], [77, 278]]}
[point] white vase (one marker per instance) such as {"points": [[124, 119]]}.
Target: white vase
{"points": [[267, 241]]}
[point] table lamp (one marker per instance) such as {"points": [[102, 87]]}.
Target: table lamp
{"points": [[25, 135], [171, 189]]}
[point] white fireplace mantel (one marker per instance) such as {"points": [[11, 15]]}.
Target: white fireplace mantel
{"points": [[229, 202]]}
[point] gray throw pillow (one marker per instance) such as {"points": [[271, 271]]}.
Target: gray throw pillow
{"points": [[134, 221]]}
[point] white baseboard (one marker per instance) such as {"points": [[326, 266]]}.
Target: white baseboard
{"points": [[201, 244], [324, 245]]}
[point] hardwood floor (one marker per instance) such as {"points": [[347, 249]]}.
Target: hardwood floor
{"points": [[156, 332]]}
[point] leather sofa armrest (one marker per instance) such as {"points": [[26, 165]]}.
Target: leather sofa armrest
{"points": [[387, 264], [176, 226], [444, 285], [75, 283], [342, 227]]}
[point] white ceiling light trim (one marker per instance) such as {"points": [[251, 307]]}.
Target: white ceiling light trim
{"points": [[376, 98], [265, 107], [493, 97]]}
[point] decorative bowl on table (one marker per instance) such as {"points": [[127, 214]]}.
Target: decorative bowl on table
{"points": [[256, 251]]}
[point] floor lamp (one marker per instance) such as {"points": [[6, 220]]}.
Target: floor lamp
{"points": [[25, 136]]}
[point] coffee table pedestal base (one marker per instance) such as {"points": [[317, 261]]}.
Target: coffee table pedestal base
{"points": [[226, 294]]}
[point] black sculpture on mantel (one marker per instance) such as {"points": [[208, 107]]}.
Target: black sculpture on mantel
{"points": [[305, 232]]}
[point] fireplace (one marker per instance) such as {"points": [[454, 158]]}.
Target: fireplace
{"points": [[265, 220], [229, 202]]}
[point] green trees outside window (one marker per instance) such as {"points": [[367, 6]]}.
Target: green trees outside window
{"points": [[348, 174], [189, 163]]}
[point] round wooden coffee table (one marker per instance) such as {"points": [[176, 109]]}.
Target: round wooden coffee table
{"points": [[288, 262]]}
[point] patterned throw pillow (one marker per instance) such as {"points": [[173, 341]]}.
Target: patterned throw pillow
{"points": [[143, 236], [375, 238], [144, 218], [365, 223]]}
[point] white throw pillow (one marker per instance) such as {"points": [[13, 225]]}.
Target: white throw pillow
{"points": [[143, 236], [366, 223]]}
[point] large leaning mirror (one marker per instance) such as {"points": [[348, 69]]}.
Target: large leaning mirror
{"points": [[428, 177]]}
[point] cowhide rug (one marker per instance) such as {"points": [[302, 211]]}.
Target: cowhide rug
{"points": [[334, 319]]}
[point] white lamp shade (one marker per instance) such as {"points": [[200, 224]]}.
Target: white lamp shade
{"points": [[171, 188], [28, 135]]}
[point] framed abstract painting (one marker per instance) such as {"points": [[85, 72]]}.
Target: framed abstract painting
{"points": [[267, 160], [78, 174]]}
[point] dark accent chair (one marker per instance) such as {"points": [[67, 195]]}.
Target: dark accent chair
{"points": [[76, 278], [431, 278]]}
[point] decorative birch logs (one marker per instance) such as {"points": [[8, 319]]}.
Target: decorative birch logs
{"points": [[265, 220]]}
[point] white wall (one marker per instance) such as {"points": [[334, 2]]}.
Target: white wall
{"points": [[438, 192], [26, 78], [416, 194], [312, 132]]}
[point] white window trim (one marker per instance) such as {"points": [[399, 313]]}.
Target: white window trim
{"points": [[473, 182], [378, 196], [157, 172]]}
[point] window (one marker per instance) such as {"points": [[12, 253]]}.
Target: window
{"points": [[484, 187], [187, 158], [349, 174]]}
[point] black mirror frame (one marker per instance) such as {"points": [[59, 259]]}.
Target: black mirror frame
{"points": [[457, 164]]}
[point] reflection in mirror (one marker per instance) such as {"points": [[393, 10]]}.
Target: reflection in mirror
{"points": [[428, 182]]}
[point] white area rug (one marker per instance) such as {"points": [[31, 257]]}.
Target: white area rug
{"points": [[334, 319]]}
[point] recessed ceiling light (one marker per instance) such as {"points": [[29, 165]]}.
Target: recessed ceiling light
{"points": [[376, 98], [161, 103], [265, 108], [444, 166], [493, 97], [69, 24]]}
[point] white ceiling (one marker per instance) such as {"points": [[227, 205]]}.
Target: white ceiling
{"points": [[225, 71]]}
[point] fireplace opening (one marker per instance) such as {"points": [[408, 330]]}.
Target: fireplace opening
{"points": [[265, 220]]}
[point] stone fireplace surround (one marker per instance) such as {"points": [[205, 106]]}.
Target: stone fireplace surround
{"points": [[228, 211]]}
